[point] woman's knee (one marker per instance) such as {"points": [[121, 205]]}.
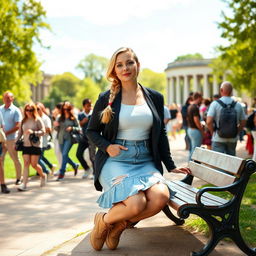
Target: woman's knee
{"points": [[136, 203], [159, 194]]}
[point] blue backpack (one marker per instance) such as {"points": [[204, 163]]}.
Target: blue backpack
{"points": [[227, 127]]}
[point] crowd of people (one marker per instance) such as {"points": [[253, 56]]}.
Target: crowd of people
{"points": [[201, 117], [33, 130]]}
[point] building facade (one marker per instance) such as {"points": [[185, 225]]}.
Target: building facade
{"points": [[42, 90], [188, 76]]}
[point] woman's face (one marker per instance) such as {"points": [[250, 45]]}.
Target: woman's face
{"points": [[67, 109], [126, 67], [29, 111]]}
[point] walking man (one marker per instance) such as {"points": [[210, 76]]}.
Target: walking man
{"points": [[84, 118], [12, 119], [225, 142]]}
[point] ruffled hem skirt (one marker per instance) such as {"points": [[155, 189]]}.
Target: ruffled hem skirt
{"points": [[128, 173]]}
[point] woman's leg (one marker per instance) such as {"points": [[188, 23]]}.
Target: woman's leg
{"points": [[127, 209], [117, 215], [157, 197], [26, 160], [34, 163], [65, 147]]}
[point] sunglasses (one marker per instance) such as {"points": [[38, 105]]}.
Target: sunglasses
{"points": [[29, 110], [68, 109]]}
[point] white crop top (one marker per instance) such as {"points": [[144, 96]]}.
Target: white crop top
{"points": [[135, 122]]}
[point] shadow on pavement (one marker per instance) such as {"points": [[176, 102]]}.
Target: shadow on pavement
{"points": [[158, 241]]}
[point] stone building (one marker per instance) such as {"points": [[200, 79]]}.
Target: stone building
{"points": [[188, 76], [42, 90]]}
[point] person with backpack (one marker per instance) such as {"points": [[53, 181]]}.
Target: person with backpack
{"points": [[225, 119]]}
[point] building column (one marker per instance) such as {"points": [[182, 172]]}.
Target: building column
{"points": [[172, 92], [206, 93], [168, 91], [178, 92], [186, 88], [215, 85], [195, 84]]}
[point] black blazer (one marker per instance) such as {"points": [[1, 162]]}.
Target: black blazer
{"points": [[102, 135]]}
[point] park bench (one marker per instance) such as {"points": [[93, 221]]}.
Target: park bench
{"points": [[225, 173]]}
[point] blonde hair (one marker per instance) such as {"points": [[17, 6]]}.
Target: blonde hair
{"points": [[107, 113]]}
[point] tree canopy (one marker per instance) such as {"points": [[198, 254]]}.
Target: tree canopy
{"points": [[195, 56], [238, 57], [20, 22], [63, 87], [94, 67], [153, 80]]}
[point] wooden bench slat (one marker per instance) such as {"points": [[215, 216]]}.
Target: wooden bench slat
{"points": [[190, 196], [219, 200], [211, 175], [175, 203], [231, 164]]}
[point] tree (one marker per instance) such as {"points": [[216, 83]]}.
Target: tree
{"points": [[63, 87], [238, 57], [153, 80], [195, 56], [20, 22], [94, 67], [88, 89]]}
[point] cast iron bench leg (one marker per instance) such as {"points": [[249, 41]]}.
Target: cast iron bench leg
{"points": [[171, 216]]}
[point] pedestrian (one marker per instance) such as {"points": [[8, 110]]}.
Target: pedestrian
{"points": [[233, 123], [251, 126], [43, 161], [184, 113], [65, 124], [127, 126], [167, 117], [195, 128], [12, 117], [32, 129], [83, 118], [55, 115], [4, 188]]}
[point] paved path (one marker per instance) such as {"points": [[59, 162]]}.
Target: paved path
{"points": [[45, 221]]}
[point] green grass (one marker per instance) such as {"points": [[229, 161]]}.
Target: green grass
{"points": [[9, 168], [247, 219]]}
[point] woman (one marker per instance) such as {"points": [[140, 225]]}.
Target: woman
{"points": [[43, 161], [64, 124], [128, 129], [32, 129]]}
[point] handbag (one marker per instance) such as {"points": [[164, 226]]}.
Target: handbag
{"points": [[76, 136], [19, 144], [2, 135]]}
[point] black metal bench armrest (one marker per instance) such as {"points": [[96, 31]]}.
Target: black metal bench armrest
{"points": [[230, 188]]}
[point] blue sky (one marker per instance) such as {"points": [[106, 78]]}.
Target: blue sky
{"points": [[158, 30]]}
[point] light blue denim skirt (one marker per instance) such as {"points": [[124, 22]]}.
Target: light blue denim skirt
{"points": [[128, 173]]}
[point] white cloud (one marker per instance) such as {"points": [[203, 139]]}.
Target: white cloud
{"points": [[107, 12]]}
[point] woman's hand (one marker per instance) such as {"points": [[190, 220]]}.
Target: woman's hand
{"points": [[114, 149], [69, 129], [184, 170], [29, 131], [56, 124]]}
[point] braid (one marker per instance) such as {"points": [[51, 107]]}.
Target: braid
{"points": [[107, 113]]}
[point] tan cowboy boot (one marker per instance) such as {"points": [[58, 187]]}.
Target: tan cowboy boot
{"points": [[99, 233], [114, 234]]}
